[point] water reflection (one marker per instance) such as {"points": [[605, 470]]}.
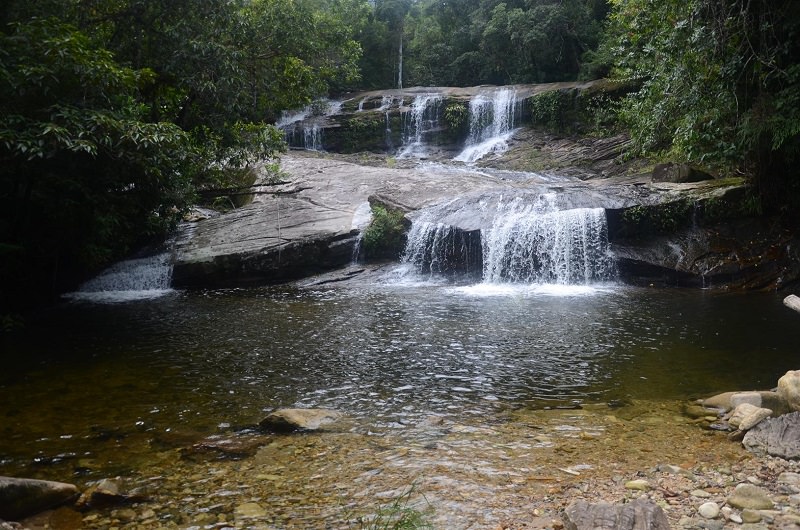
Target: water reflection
{"points": [[387, 354]]}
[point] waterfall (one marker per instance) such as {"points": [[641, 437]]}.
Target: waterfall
{"points": [[518, 241], [312, 138], [131, 279], [303, 128], [561, 247], [420, 120], [491, 123]]}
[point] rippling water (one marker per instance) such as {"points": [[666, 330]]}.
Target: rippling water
{"points": [[384, 352]]}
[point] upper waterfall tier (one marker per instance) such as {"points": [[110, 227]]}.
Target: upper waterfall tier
{"points": [[492, 117], [466, 123]]}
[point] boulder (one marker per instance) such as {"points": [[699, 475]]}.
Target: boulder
{"points": [[640, 514], [745, 416], [792, 302], [678, 173], [288, 420], [789, 388], [776, 437], [21, 497], [758, 398], [720, 401]]}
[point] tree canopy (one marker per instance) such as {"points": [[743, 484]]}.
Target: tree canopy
{"points": [[114, 113]]}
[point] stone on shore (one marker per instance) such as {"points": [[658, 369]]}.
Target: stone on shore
{"points": [[749, 496], [21, 497], [639, 514], [789, 389], [746, 416], [776, 437], [763, 398], [288, 420]]}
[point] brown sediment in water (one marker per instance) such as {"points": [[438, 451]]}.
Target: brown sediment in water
{"points": [[519, 470]]}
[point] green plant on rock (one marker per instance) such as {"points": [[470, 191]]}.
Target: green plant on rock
{"points": [[551, 109], [456, 115], [385, 235]]}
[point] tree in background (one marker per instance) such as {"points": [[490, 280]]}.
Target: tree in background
{"points": [[720, 85], [114, 113]]}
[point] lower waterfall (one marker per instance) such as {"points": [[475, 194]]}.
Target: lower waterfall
{"points": [[517, 242]]}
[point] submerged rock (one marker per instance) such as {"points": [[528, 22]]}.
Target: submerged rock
{"points": [[776, 437], [108, 492], [639, 514], [21, 497], [288, 420]]}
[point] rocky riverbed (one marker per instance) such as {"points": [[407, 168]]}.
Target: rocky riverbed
{"points": [[518, 470]]}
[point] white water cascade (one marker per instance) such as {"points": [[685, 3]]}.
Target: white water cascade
{"points": [[491, 123], [519, 242], [566, 247], [132, 279], [303, 127], [419, 121]]}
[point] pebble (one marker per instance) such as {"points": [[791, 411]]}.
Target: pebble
{"points": [[751, 516], [735, 518], [787, 477], [250, 510], [700, 494], [709, 510], [638, 484]]}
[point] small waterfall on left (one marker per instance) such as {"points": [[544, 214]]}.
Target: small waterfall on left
{"points": [[132, 279]]}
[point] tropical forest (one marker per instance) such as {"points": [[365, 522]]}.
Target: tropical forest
{"points": [[397, 264]]}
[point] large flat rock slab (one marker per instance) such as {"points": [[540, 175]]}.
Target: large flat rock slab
{"points": [[307, 226], [311, 223]]}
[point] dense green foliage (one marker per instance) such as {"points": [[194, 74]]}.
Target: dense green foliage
{"points": [[385, 236], [720, 85], [472, 42], [113, 114]]}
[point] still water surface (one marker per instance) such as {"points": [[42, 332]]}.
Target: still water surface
{"points": [[382, 352]]}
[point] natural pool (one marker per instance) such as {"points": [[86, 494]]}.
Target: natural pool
{"points": [[438, 381]]}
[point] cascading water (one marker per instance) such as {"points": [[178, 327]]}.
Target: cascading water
{"points": [[566, 247], [518, 241], [419, 121], [131, 279], [491, 122], [303, 128]]}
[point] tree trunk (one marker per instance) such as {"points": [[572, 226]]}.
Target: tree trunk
{"points": [[400, 63]]}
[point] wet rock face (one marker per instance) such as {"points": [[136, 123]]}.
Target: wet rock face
{"points": [[20, 497], [678, 173], [639, 514], [776, 437]]}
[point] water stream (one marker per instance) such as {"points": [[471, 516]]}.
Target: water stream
{"points": [[492, 118]]}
